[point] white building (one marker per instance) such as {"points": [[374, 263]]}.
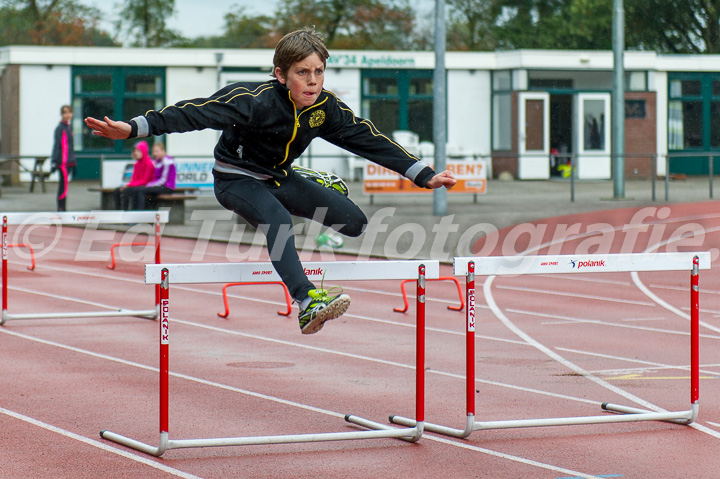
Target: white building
{"points": [[511, 108]]}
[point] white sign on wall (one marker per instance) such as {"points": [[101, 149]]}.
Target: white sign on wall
{"points": [[191, 172]]}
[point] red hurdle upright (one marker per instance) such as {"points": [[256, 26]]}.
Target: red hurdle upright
{"points": [[4, 267]]}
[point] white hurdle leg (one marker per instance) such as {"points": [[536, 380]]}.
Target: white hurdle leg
{"points": [[223, 273]]}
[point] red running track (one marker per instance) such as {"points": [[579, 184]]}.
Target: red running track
{"points": [[254, 373]]}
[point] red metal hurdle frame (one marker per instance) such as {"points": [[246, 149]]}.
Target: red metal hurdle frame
{"points": [[78, 218], [288, 299], [441, 278], [533, 265], [32, 253], [241, 272]]}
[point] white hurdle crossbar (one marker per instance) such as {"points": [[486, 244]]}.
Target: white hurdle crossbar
{"points": [[164, 274], [517, 265], [79, 218]]}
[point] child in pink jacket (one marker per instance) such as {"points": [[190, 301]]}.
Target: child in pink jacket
{"points": [[143, 172]]}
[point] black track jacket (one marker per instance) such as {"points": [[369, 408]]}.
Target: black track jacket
{"points": [[264, 133]]}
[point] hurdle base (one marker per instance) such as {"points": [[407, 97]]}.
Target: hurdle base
{"points": [[137, 445], [444, 430], [145, 314], [166, 444], [683, 417], [411, 434], [624, 414]]}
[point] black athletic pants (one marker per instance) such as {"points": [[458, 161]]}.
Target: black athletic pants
{"points": [[269, 207], [138, 195]]}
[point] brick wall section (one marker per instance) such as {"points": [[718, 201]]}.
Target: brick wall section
{"points": [[641, 137], [10, 90], [10, 121]]}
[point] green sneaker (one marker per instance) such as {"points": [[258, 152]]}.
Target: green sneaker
{"points": [[330, 240], [322, 307], [328, 180]]}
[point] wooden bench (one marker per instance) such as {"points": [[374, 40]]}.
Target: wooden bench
{"points": [[175, 201], [38, 174], [11, 165]]}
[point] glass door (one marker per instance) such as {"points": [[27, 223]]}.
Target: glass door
{"points": [[592, 140], [534, 135]]}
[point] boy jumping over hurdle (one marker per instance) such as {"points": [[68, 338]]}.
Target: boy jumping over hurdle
{"points": [[265, 127]]}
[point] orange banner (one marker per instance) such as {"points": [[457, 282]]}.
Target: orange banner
{"points": [[471, 176]]}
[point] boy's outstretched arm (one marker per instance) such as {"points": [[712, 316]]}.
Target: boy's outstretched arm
{"points": [[446, 179], [115, 130]]}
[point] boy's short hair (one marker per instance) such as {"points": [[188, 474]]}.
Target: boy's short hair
{"points": [[298, 45], [62, 108]]}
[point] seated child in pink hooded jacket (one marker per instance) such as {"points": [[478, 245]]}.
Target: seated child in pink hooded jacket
{"points": [[143, 172], [163, 181]]}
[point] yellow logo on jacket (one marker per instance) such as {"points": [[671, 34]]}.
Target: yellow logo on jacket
{"points": [[317, 118]]}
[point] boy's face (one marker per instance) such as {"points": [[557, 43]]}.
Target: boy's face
{"points": [[304, 79], [67, 115]]}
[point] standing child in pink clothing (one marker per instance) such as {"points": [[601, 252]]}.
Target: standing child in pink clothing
{"points": [[143, 172], [63, 154]]}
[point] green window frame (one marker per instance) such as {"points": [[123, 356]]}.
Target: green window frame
{"points": [[693, 112], [693, 119], [116, 92], [399, 100]]}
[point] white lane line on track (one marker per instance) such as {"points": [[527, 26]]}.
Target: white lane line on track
{"points": [[98, 444], [435, 330], [570, 319], [653, 365], [632, 320], [681, 289], [65, 298], [205, 382], [574, 295], [641, 286]]}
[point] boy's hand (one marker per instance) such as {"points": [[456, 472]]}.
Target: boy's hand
{"points": [[115, 130], [445, 179]]}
